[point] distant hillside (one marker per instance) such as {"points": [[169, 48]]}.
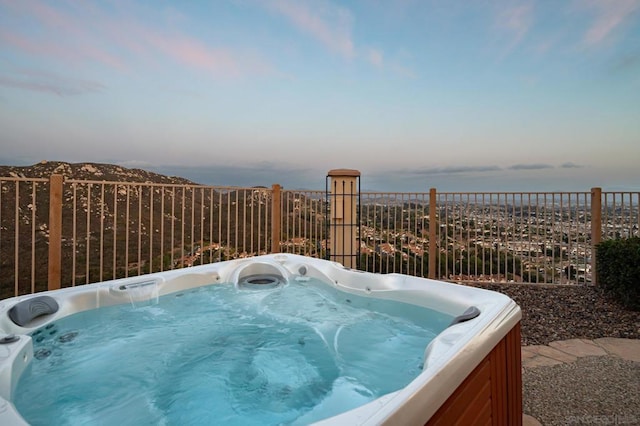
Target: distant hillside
{"points": [[89, 171]]}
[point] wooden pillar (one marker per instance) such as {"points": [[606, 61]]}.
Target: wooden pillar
{"points": [[276, 217], [433, 246], [596, 229], [343, 224], [55, 231]]}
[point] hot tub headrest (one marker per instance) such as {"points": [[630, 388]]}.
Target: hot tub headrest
{"points": [[26, 311], [471, 313]]}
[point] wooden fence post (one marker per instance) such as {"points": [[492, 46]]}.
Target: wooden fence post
{"points": [[55, 231], [276, 217], [433, 246], [596, 229]]}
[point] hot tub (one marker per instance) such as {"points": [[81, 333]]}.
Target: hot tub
{"points": [[469, 372]]}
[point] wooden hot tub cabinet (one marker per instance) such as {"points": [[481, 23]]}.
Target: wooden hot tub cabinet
{"points": [[492, 393]]}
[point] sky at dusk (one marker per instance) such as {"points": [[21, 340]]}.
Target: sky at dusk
{"points": [[461, 95]]}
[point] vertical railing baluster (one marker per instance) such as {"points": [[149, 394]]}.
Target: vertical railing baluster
{"points": [[151, 229], [183, 208], [126, 230], [173, 227], [74, 245], [100, 274], [33, 237], [192, 193], [202, 225], [433, 248], [115, 231], [88, 236], [139, 261], [16, 241], [162, 220]]}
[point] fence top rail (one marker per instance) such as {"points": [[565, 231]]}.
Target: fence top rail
{"points": [[481, 193], [516, 193], [621, 192], [164, 185], [22, 179], [195, 185], [393, 193], [305, 193], [308, 191]]}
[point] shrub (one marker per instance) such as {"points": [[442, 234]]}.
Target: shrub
{"points": [[618, 269]]}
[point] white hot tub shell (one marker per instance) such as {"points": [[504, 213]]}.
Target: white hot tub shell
{"points": [[471, 369]]}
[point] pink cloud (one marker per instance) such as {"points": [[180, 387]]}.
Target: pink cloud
{"points": [[375, 57], [197, 55], [516, 21], [81, 33], [403, 71], [329, 24], [194, 54], [60, 36], [188, 51], [36, 47], [610, 15], [64, 50], [39, 10]]}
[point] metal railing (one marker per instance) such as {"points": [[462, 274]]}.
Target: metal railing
{"points": [[24, 235], [532, 237], [58, 233], [121, 228], [140, 228], [302, 227], [499, 237]]}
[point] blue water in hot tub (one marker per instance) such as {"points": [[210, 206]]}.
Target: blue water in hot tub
{"points": [[220, 355]]}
